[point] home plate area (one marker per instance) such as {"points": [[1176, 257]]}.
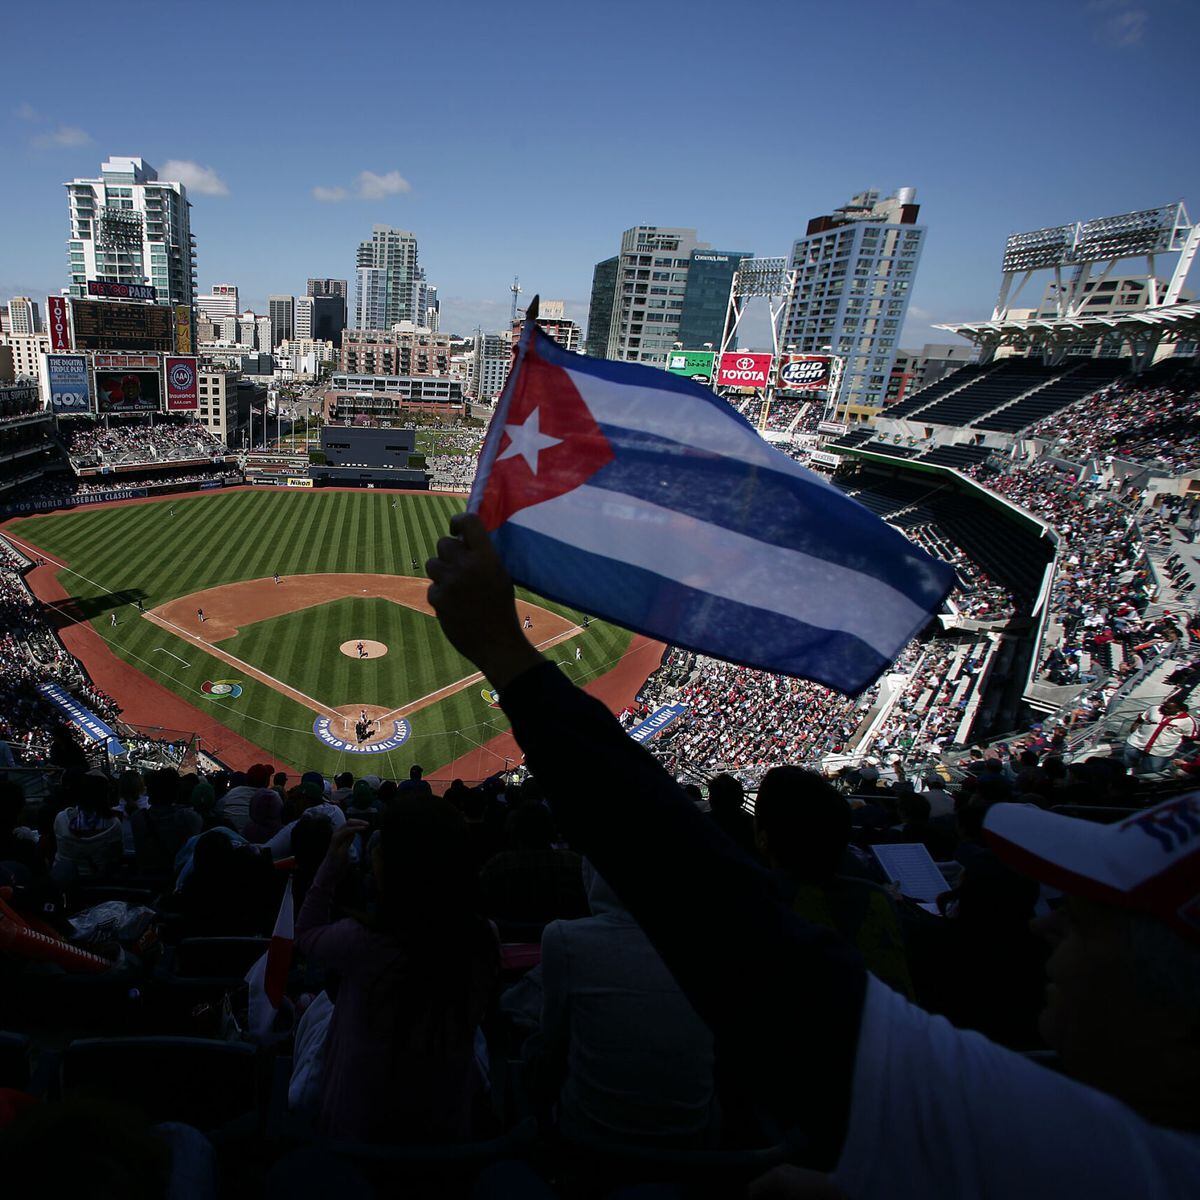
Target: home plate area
{"points": [[362, 729]]}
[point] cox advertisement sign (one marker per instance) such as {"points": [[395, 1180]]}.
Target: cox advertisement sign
{"points": [[804, 372], [67, 375], [182, 392], [744, 370]]}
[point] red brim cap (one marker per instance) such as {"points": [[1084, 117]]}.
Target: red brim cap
{"points": [[1149, 862]]}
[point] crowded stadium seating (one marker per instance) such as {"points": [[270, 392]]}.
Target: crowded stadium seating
{"points": [[196, 861], [124, 442]]}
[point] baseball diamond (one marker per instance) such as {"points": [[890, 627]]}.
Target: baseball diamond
{"points": [[284, 653]]}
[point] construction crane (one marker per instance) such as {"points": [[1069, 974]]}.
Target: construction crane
{"points": [[516, 291]]}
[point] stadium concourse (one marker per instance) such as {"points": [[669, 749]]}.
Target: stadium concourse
{"points": [[431, 1024]]}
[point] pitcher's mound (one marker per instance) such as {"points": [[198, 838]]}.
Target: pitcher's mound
{"points": [[369, 649]]}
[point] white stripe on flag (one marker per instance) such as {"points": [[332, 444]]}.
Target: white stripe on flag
{"points": [[729, 565], [666, 414]]}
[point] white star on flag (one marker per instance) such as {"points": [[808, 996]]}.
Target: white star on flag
{"points": [[528, 441]]}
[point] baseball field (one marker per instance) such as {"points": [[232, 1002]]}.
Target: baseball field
{"points": [[295, 620]]}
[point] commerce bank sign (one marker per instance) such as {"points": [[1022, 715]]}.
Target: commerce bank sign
{"points": [[744, 370]]}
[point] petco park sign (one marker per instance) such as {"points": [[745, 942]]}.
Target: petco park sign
{"points": [[744, 370]]}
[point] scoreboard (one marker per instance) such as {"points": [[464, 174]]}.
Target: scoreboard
{"points": [[104, 325]]}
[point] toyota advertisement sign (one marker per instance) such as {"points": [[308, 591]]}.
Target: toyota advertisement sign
{"points": [[804, 372], [182, 393], [58, 321], [740, 370]]}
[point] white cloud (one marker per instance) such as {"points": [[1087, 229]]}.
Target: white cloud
{"points": [[330, 195], [26, 112], [376, 187], [369, 185], [204, 181], [63, 135], [1122, 24]]}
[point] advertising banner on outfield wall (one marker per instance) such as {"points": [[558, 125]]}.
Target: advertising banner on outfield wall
{"points": [[182, 389], [183, 329], [58, 321], [304, 483], [804, 372], [67, 377], [80, 500], [744, 370], [692, 364]]}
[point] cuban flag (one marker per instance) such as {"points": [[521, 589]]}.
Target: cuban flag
{"points": [[646, 499]]}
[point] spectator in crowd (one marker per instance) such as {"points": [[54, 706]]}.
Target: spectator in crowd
{"points": [[413, 983], [1157, 735], [803, 827], [618, 1047], [533, 882], [266, 811], [235, 804], [726, 805], [161, 829], [87, 833]]}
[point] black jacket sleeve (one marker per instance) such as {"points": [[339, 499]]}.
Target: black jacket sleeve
{"points": [[783, 998]]}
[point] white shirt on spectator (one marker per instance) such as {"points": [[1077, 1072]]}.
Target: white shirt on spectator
{"points": [[942, 1112]]}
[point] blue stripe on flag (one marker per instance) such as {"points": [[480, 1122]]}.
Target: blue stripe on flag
{"points": [[780, 510], [633, 375], [649, 604]]}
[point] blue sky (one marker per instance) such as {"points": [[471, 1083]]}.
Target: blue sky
{"points": [[514, 139]]}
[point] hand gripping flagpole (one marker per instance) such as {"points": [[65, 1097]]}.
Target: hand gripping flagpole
{"points": [[495, 433]]}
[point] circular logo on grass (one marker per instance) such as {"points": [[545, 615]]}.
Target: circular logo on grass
{"points": [[322, 728], [222, 689]]}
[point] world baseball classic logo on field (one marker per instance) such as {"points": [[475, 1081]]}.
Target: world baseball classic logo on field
{"points": [[222, 689], [322, 727]]}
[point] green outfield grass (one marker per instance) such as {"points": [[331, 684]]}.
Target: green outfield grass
{"points": [[138, 551], [419, 659]]}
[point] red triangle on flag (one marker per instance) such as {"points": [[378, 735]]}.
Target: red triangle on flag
{"points": [[551, 443]]}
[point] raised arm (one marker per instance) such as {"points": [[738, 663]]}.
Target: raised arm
{"points": [[784, 999]]}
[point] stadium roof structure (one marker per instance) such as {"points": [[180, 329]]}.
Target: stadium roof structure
{"points": [[1082, 258], [1164, 322]]}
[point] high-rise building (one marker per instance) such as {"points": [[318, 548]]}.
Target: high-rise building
{"points": [[128, 226], [27, 350], [641, 297], [384, 295], [23, 316], [280, 310], [222, 301], [600, 307], [262, 334], [706, 301], [553, 320], [302, 318], [855, 268], [328, 287], [493, 357], [425, 307], [329, 318]]}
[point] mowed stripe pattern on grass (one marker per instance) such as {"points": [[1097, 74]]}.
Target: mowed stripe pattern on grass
{"points": [[418, 662], [120, 554]]}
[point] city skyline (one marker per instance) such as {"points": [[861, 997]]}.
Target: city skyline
{"points": [[957, 109]]}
